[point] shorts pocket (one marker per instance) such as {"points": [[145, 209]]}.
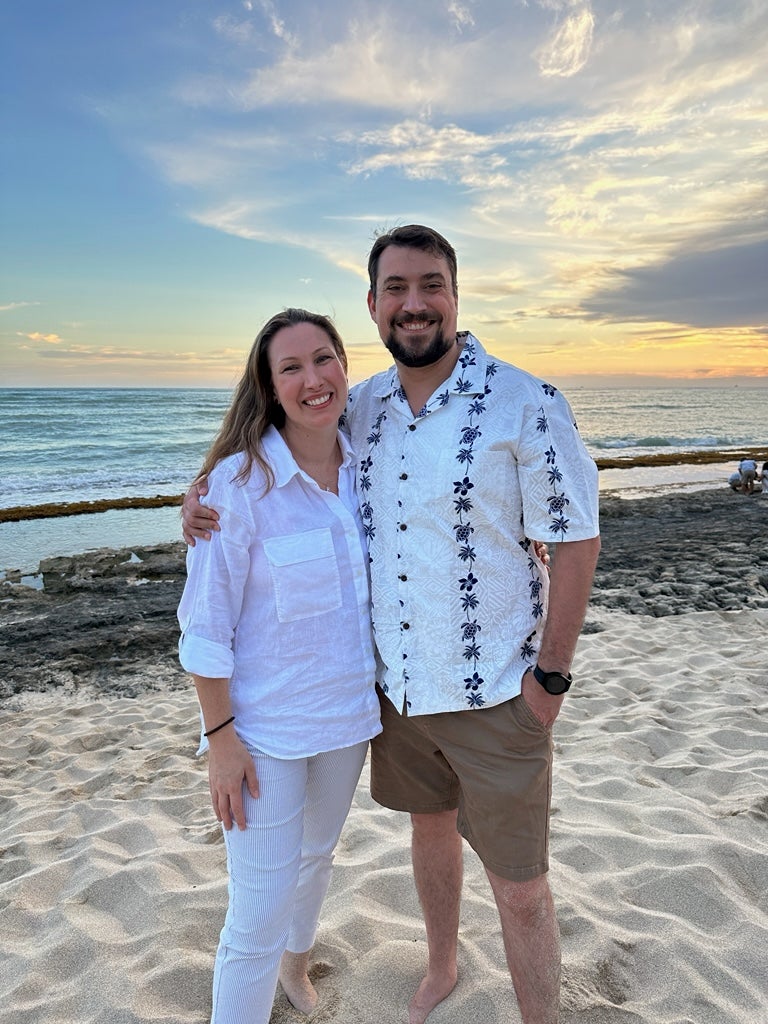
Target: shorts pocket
{"points": [[528, 713], [305, 574]]}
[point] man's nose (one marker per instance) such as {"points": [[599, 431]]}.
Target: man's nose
{"points": [[414, 301]]}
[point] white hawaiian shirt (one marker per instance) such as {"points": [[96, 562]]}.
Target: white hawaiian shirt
{"points": [[450, 500]]}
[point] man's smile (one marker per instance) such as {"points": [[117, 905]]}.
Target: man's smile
{"points": [[416, 325]]}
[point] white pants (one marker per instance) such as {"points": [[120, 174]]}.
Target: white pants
{"points": [[279, 872]]}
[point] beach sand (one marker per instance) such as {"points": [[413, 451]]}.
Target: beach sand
{"points": [[112, 873]]}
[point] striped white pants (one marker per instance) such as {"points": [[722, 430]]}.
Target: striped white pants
{"points": [[279, 872]]}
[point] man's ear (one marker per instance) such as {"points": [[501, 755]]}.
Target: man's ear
{"points": [[371, 304]]}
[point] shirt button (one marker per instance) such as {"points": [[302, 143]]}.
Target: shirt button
{"points": [[403, 577], [411, 426], [403, 476], [403, 526], [405, 625]]}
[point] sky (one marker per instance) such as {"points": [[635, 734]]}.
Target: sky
{"points": [[173, 173]]}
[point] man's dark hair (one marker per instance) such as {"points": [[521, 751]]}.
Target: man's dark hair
{"points": [[413, 236]]}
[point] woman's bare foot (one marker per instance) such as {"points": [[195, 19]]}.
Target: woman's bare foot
{"points": [[294, 978], [433, 990]]}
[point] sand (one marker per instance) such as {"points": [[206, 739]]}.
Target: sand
{"points": [[113, 882]]}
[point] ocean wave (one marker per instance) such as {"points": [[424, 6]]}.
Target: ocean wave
{"points": [[37, 489], [654, 441]]}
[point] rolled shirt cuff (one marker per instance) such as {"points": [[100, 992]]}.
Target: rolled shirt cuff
{"points": [[205, 657]]}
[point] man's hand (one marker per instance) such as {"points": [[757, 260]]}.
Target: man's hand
{"points": [[197, 520], [546, 706]]}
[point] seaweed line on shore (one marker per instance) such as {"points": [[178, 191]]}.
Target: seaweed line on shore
{"points": [[51, 510]]}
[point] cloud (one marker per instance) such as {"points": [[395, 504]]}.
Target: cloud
{"points": [[422, 151], [276, 23], [16, 305], [233, 29], [568, 49], [393, 58], [725, 287], [243, 219], [49, 339], [53, 347], [95, 355], [461, 14]]}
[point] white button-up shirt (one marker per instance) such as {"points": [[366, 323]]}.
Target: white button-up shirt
{"points": [[450, 500], [278, 602]]}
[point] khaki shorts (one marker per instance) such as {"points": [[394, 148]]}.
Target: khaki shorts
{"points": [[493, 764]]}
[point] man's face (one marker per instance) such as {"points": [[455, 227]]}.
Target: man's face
{"points": [[414, 308]]}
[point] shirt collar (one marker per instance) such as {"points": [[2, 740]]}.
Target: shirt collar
{"points": [[283, 464], [468, 377]]}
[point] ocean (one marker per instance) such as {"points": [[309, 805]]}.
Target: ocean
{"points": [[67, 445]]}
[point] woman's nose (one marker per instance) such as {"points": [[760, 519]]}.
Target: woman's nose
{"points": [[312, 377]]}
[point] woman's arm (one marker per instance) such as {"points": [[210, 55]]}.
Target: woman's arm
{"points": [[229, 763]]}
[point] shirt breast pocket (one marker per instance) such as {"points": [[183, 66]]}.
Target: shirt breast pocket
{"points": [[305, 574]]}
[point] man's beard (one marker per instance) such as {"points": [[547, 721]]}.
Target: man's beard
{"points": [[434, 351]]}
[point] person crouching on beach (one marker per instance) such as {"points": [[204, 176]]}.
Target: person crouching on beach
{"points": [[275, 630], [748, 473]]}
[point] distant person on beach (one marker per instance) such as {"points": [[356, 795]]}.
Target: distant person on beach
{"points": [[734, 481], [748, 473], [463, 460], [764, 478], [275, 621]]}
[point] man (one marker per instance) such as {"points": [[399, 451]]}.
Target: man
{"points": [[462, 461], [748, 474]]}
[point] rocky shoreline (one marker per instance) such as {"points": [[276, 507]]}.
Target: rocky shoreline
{"points": [[105, 622]]}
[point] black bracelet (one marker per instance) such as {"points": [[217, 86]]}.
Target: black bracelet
{"points": [[216, 729]]}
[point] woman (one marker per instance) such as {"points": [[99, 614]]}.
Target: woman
{"points": [[276, 633]]}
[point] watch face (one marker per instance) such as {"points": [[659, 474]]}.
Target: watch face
{"points": [[556, 684], [553, 682]]}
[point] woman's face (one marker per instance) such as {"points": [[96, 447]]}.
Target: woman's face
{"points": [[308, 377]]}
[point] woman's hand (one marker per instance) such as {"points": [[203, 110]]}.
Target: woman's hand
{"points": [[541, 551], [197, 520], [229, 766]]}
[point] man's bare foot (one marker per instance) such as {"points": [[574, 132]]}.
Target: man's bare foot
{"points": [[433, 990], [294, 978]]}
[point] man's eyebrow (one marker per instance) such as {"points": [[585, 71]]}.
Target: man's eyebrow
{"points": [[433, 275]]}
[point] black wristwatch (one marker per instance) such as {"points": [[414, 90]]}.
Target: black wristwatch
{"points": [[553, 682]]}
